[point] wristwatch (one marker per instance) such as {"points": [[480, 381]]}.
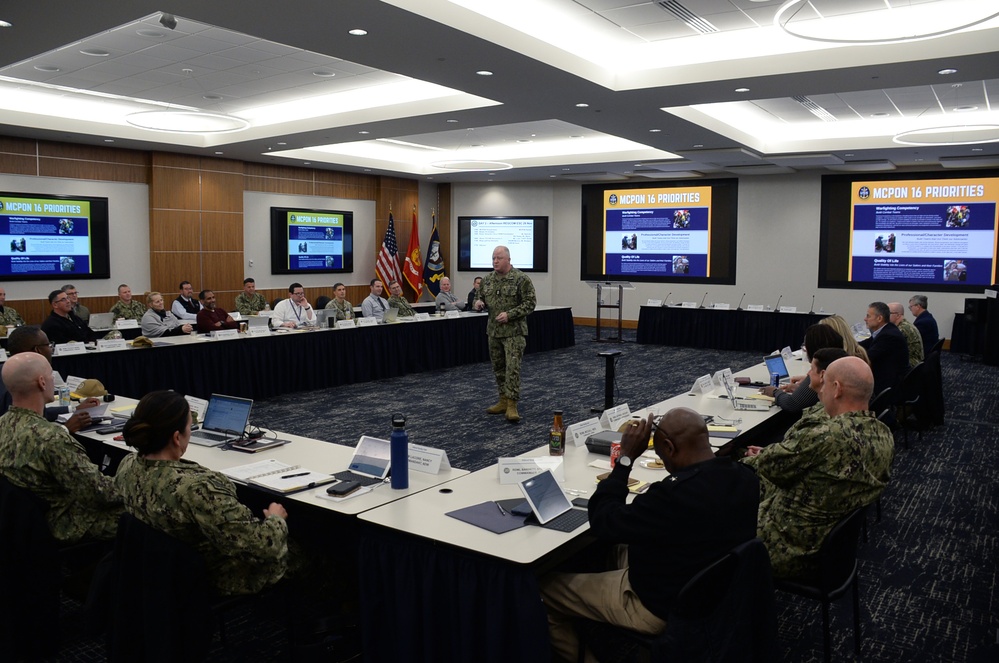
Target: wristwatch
{"points": [[624, 460]]}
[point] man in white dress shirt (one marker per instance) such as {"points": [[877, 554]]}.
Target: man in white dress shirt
{"points": [[374, 305], [295, 311]]}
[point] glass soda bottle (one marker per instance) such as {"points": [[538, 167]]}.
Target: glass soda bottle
{"points": [[556, 436]]}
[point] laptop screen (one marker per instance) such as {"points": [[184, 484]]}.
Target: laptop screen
{"points": [[545, 496], [372, 457], [775, 364], [227, 413]]}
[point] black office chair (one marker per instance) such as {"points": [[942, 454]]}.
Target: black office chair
{"points": [[937, 347], [837, 573], [321, 302], [881, 404], [724, 613], [275, 302], [906, 396], [164, 607], [931, 408]]}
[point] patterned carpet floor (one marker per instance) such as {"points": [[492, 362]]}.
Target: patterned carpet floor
{"points": [[928, 570]]}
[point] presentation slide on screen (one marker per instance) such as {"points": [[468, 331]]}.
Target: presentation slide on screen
{"points": [[924, 231], [657, 232], [315, 240], [45, 236], [515, 234]]}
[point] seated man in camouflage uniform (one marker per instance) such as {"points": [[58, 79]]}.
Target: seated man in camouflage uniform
{"points": [[398, 301], [43, 458], [127, 308], [250, 302], [824, 468], [912, 336], [8, 316]]}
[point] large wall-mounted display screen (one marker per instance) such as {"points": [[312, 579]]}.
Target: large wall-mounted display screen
{"points": [[910, 232], [525, 236], [53, 237], [311, 241], [676, 232]]}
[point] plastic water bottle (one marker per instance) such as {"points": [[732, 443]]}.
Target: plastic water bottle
{"points": [[400, 452]]}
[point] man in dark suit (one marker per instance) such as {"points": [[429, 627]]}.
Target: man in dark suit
{"points": [[925, 322], [886, 348]]}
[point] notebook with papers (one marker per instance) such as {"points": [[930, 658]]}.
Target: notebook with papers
{"points": [[101, 321], [745, 404], [225, 420], [775, 364], [549, 504], [370, 463]]}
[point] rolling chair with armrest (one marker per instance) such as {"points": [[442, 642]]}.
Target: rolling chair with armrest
{"points": [[725, 613], [906, 396], [321, 302], [837, 573]]}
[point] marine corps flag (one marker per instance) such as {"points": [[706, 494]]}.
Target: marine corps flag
{"points": [[413, 269], [433, 270], [387, 263]]}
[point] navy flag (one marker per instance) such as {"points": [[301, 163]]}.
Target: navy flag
{"points": [[433, 268]]}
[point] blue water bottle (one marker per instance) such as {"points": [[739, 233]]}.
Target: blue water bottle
{"points": [[400, 452]]}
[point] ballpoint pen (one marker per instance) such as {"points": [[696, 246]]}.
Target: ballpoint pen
{"points": [[500, 507], [292, 476]]}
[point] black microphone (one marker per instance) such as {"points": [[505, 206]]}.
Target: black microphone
{"points": [[739, 307], [666, 301], [811, 309], [702, 300], [777, 306]]}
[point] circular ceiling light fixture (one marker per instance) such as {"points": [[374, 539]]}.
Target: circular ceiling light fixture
{"points": [[47, 68], [973, 134], [357, 32], [823, 21], [96, 52], [472, 166], [187, 122]]}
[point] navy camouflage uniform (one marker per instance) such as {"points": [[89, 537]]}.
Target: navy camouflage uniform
{"points": [[513, 293]]}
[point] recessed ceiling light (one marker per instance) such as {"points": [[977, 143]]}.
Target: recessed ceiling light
{"points": [[476, 145], [655, 131], [212, 97], [5, 24], [742, 89], [917, 159], [947, 72], [220, 153], [109, 140], [324, 73], [582, 105], [367, 170], [364, 133], [150, 33], [965, 109], [699, 145], [553, 176], [282, 143], [523, 140], [881, 114], [357, 32], [452, 121], [849, 154], [96, 52], [491, 174], [976, 149], [577, 136], [307, 163], [484, 72], [565, 169], [47, 68]]}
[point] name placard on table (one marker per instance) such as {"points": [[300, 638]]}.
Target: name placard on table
{"points": [[220, 334], [515, 470], [581, 431], [754, 307], [367, 322], [259, 331], [427, 459], [64, 349], [122, 323], [345, 324], [104, 345], [615, 416]]}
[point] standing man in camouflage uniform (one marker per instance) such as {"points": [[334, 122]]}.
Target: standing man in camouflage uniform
{"points": [[250, 302], [824, 468], [8, 316], [43, 458], [126, 307], [912, 336], [509, 295]]}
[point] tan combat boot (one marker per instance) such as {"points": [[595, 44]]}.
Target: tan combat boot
{"points": [[499, 408], [511, 411]]}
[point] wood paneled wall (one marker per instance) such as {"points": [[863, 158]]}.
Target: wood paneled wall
{"points": [[196, 211]]}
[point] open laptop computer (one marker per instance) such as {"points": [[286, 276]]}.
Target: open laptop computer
{"points": [[101, 321], [257, 320], [775, 364], [225, 420], [390, 315], [550, 505], [323, 316], [370, 463], [745, 404]]}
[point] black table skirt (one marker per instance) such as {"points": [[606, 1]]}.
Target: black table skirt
{"points": [[751, 331], [261, 367]]}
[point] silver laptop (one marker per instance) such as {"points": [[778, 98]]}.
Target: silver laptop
{"points": [[225, 420], [775, 364], [101, 321], [745, 404], [549, 504], [324, 316], [390, 315], [257, 320], [370, 463]]}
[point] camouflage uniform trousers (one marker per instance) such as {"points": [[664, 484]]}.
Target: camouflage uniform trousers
{"points": [[506, 353]]}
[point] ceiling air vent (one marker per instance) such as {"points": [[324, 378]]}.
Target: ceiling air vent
{"points": [[692, 20]]}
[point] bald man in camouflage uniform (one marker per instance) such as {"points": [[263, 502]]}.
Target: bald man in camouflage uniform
{"points": [[43, 458], [823, 469], [912, 336], [197, 505], [509, 295]]}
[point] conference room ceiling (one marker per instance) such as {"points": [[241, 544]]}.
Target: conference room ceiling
{"points": [[587, 90]]}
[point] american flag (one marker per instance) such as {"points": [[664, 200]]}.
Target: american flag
{"points": [[387, 263]]}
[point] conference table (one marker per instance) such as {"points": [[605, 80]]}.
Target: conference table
{"points": [[449, 590], [722, 329], [282, 362]]}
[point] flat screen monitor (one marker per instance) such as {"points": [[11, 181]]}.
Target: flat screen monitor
{"points": [[53, 237], [660, 231], [525, 236], [915, 231], [311, 241]]}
